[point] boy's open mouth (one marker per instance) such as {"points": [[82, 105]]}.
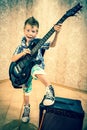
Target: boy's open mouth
{"points": [[29, 37]]}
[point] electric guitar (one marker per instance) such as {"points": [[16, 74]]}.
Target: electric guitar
{"points": [[19, 71]]}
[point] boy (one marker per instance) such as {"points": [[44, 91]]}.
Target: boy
{"points": [[31, 28]]}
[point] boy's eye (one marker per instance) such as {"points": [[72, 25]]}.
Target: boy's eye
{"points": [[33, 31], [28, 30]]}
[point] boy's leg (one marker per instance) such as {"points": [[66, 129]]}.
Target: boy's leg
{"points": [[43, 79], [49, 98], [26, 99], [26, 91], [39, 73]]}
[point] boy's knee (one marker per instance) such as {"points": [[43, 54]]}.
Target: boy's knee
{"points": [[27, 94], [27, 90]]}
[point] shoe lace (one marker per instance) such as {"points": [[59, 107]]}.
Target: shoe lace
{"points": [[26, 111], [49, 94]]}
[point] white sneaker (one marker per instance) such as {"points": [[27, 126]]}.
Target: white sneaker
{"points": [[49, 98], [25, 116]]}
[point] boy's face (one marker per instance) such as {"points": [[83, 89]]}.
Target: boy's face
{"points": [[30, 32]]}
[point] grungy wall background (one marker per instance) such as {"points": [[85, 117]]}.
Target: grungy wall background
{"points": [[66, 64]]}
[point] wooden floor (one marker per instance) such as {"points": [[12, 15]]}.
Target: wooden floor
{"points": [[11, 103]]}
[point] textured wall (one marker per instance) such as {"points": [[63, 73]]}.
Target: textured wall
{"points": [[66, 64]]}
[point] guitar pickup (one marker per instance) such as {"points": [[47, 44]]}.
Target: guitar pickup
{"points": [[17, 69]]}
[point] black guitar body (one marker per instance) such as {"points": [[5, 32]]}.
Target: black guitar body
{"points": [[20, 71]]}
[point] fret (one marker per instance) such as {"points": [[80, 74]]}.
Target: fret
{"points": [[45, 38], [62, 19]]}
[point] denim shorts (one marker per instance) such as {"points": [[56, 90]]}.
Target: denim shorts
{"points": [[27, 87]]}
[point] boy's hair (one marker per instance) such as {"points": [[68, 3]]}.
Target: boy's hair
{"points": [[32, 21]]}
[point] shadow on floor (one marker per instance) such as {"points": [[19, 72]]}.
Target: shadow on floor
{"points": [[85, 128], [18, 125]]}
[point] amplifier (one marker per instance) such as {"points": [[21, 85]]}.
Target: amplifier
{"points": [[65, 114]]}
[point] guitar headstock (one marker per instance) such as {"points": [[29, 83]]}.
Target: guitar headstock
{"points": [[74, 10]]}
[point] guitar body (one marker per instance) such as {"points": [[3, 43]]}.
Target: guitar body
{"points": [[20, 71], [19, 77]]}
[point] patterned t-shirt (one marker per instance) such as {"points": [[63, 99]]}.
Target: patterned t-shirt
{"points": [[39, 56]]}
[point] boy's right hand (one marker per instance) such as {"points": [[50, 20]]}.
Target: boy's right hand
{"points": [[26, 51]]}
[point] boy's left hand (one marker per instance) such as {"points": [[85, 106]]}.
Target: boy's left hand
{"points": [[57, 28]]}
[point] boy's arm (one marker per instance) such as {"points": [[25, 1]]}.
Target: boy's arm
{"points": [[57, 29], [18, 56]]}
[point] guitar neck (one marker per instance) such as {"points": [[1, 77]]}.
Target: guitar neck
{"points": [[47, 36]]}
